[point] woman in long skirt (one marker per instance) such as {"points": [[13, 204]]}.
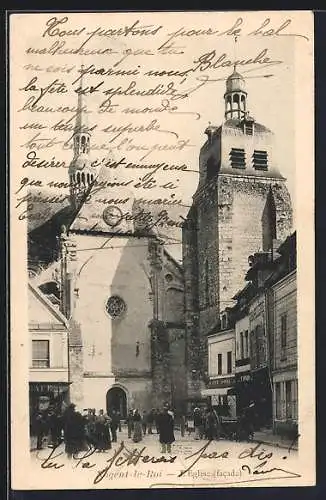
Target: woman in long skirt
{"points": [[102, 432], [138, 435]]}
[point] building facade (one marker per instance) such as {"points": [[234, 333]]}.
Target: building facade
{"points": [[285, 341], [49, 358], [266, 313], [221, 368]]}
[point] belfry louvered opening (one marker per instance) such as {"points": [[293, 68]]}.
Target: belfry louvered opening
{"points": [[238, 158], [260, 160]]}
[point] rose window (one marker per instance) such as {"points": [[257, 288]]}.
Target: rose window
{"points": [[115, 306]]}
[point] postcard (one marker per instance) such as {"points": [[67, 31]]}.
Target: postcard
{"points": [[162, 249]]}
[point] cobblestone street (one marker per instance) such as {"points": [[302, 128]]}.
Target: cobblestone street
{"points": [[191, 462]]}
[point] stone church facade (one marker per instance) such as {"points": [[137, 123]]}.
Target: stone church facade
{"points": [[119, 289], [241, 206]]}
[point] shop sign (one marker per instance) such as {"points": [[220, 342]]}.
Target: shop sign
{"points": [[223, 382], [243, 377], [48, 388]]}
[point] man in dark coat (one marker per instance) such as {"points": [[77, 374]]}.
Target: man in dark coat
{"points": [[165, 428], [114, 424], [150, 421], [74, 431], [144, 422], [211, 425], [55, 426]]}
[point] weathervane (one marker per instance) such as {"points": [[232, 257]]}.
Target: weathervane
{"points": [[235, 51]]}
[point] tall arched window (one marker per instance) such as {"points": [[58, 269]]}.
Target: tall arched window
{"points": [[243, 103], [83, 144]]}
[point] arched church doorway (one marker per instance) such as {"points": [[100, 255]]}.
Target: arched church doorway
{"points": [[116, 399]]}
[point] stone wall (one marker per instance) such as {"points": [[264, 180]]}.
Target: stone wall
{"points": [[178, 368], [208, 253], [76, 368], [161, 373], [191, 302], [139, 391], [241, 205]]}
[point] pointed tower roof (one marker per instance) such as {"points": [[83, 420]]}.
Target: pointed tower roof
{"points": [[235, 82]]}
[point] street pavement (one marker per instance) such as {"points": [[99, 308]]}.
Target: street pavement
{"points": [[191, 462]]}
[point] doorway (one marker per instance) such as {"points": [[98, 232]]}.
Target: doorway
{"points": [[116, 399]]}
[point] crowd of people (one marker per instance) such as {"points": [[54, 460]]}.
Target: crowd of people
{"points": [[80, 431], [160, 421], [210, 423]]}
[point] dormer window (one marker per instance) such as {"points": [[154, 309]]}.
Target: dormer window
{"points": [[237, 158], [249, 128], [248, 124], [260, 160]]}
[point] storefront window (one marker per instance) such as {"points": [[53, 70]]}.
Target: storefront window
{"points": [[295, 399], [288, 395], [278, 399]]}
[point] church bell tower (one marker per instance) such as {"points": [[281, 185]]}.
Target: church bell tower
{"points": [[241, 206], [235, 96], [82, 171]]}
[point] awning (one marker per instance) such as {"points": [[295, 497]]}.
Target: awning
{"points": [[219, 391]]}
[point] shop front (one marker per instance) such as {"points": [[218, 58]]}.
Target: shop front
{"points": [[242, 390], [217, 393], [254, 387], [43, 395]]}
